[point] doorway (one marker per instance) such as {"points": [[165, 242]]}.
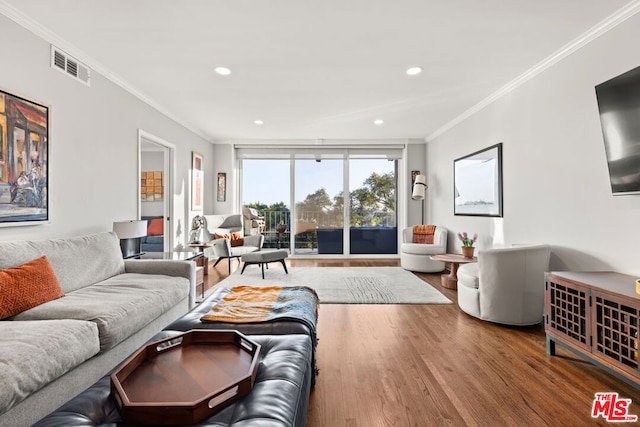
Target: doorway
{"points": [[155, 190]]}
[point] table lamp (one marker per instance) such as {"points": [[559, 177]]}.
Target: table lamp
{"points": [[130, 234], [199, 232]]}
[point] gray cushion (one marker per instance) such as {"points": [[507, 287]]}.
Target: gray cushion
{"points": [[36, 353], [421, 249], [119, 306], [265, 256], [232, 221], [241, 250], [68, 258]]}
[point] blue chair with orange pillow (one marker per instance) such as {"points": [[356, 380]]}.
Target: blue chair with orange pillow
{"points": [[154, 240]]}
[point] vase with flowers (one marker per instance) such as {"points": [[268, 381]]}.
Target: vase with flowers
{"points": [[280, 228], [467, 243]]}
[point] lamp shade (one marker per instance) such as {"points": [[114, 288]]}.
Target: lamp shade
{"points": [[130, 229], [419, 185]]}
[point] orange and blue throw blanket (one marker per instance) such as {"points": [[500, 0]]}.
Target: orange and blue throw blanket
{"points": [[248, 304]]}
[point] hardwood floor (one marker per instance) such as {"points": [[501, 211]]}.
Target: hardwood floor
{"points": [[433, 365]]}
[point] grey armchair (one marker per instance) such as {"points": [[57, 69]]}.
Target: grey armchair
{"points": [[222, 249]]}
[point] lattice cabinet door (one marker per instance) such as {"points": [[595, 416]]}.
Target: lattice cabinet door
{"points": [[615, 326], [567, 312]]}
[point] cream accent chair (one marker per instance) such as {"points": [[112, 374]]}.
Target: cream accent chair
{"points": [[416, 256], [506, 285]]}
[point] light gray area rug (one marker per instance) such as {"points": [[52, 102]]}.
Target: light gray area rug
{"points": [[345, 285]]}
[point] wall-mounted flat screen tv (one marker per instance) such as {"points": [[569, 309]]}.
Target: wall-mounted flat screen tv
{"points": [[619, 105]]}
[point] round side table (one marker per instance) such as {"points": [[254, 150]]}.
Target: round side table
{"points": [[450, 281]]}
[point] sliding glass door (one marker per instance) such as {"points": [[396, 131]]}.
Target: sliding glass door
{"points": [[266, 188], [372, 208], [319, 208], [301, 194]]}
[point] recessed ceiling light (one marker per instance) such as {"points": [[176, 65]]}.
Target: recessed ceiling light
{"points": [[378, 122], [223, 71], [258, 122], [414, 71]]}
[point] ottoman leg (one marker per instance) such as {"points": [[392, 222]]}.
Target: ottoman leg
{"points": [[243, 267], [262, 266]]}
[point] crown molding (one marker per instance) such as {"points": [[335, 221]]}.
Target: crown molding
{"points": [[596, 31], [49, 36]]}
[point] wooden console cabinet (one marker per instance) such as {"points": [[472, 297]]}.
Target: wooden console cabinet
{"points": [[597, 315]]}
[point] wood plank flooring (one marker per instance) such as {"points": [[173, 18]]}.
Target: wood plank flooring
{"points": [[433, 365]]}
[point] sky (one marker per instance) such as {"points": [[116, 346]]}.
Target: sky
{"points": [[267, 181]]}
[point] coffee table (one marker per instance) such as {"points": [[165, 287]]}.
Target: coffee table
{"points": [[450, 281]]}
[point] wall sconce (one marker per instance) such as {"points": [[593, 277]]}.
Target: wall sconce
{"points": [[419, 188], [130, 234]]}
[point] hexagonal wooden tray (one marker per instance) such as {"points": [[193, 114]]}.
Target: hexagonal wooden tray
{"points": [[186, 378]]}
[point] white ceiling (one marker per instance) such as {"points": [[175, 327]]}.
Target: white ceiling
{"points": [[319, 69]]}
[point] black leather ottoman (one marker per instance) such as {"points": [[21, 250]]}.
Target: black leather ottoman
{"points": [[191, 320], [280, 395]]}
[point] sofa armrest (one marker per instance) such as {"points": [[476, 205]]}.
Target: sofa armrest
{"points": [[186, 269]]}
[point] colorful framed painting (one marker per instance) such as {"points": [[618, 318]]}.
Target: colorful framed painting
{"points": [[152, 186], [197, 182], [222, 186], [24, 161]]}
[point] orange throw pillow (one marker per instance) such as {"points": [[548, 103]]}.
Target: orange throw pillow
{"points": [[235, 238], [423, 233], [27, 286], [156, 227]]}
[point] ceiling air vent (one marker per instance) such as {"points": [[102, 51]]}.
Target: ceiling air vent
{"points": [[70, 66]]}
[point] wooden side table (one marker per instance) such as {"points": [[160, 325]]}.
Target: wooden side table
{"points": [[450, 281], [201, 246]]}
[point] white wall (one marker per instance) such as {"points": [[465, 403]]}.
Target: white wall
{"points": [[93, 143], [556, 183], [416, 160]]}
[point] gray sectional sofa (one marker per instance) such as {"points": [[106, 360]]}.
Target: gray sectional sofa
{"points": [[110, 307]]}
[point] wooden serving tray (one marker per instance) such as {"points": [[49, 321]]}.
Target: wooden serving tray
{"points": [[186, 378]]}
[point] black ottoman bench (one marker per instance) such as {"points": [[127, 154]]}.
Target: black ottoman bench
{"points": [[280, 395], [282, 325]]}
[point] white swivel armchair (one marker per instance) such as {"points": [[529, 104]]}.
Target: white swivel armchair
{"points": [[416, 256], [506, 285]]}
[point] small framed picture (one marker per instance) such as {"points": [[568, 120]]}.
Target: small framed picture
{"points": [[222, 186]]}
